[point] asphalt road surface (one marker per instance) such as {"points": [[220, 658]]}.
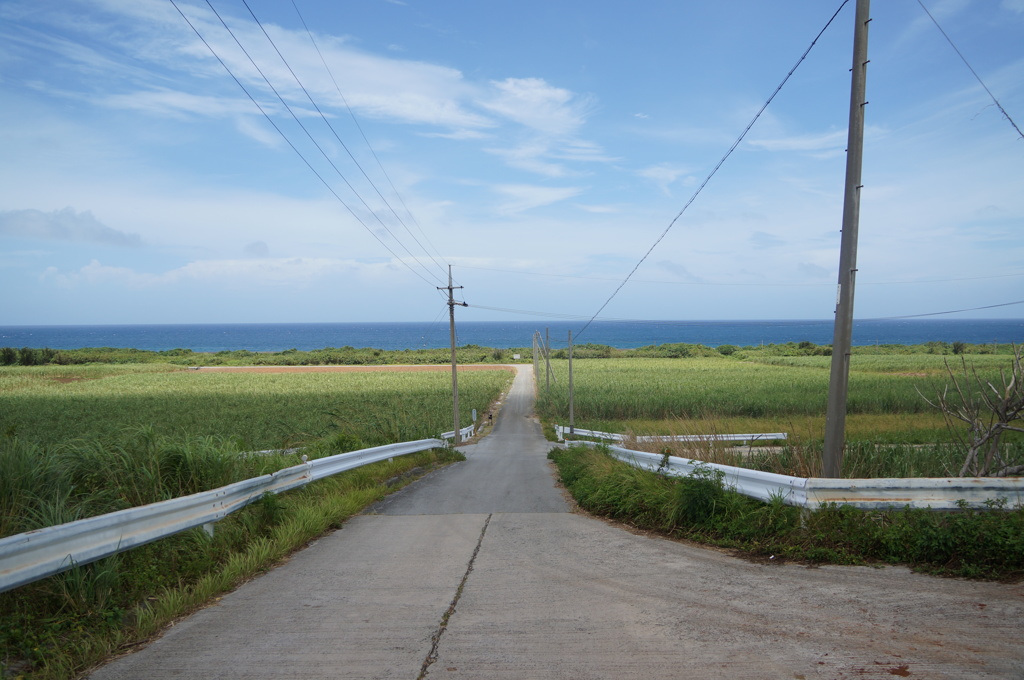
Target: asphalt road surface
{"points": [[480, 570]]}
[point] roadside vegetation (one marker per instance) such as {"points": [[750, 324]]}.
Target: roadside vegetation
{"points": [[362, 356], [892, 430], [986, 543], [328, 356], [50, 405], [78, 441], [84, 432]]}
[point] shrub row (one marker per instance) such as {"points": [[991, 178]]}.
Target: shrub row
{"points": [[971, 543]]}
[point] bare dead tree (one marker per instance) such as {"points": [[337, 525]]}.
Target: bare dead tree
{"points": [[988, 409]]}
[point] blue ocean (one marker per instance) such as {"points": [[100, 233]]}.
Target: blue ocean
{"points": [[501, 334]]}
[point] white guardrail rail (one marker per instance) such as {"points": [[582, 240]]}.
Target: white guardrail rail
{"points": [[37, 554], [561, 431], [464, 433], [935, 493]]}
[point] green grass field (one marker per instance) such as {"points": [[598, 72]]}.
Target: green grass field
{"points": [[85, 440], [52, 404], [721, 395]]}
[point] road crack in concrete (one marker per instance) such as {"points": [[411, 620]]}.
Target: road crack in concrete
{"points": [[446, 617]]}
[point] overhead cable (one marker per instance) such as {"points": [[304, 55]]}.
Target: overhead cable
{"points": [[307, 132], [953, 311], [715, 169], [341, 142], [760, 284], [288, 141], [369, 146], [971, 69]]}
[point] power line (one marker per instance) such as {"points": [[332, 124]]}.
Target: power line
{"points": [[340, 141], [971, 69], [650, 322], [369, 146], [284, 136], [782, 284], [306, 131], [719, 165], [953, 311]]}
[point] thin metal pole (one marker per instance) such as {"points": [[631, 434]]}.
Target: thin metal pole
{"points": [[572, 394], [455, 373], [835, 415]]}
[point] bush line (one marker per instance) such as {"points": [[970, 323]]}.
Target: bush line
{"points": [[983, 544]]}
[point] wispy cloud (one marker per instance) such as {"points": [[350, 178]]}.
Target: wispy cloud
{"points": [[663, 175], [253, 272], [822, 141], [63, 225], [522, 197], [534, 103]]}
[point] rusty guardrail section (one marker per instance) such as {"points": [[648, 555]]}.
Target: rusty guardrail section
{"points": [[935, 493], [37, 554]]}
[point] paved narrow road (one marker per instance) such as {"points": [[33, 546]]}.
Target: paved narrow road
{"points": [[480, 571]]}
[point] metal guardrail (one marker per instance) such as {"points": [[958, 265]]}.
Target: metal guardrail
{"points": [[37, 554], [935, 493], [464, 433], [561, 431]]}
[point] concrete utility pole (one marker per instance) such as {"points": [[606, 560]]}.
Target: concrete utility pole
{"points": [[455, 373], [835, 415], [572, 394]]}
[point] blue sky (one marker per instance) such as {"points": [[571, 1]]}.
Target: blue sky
{"points": [[538, 147]]}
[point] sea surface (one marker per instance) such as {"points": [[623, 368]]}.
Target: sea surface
{"points": [[275, 337]]}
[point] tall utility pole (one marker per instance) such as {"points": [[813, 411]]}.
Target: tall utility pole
{"points": [[572, 395], [835, 415], [455, 374]]}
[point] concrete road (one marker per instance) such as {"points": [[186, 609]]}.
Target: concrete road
{"points": [[480, 571]]}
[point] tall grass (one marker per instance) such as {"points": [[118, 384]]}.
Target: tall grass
{"points": [[980, 544], [52, 404], [619, 389], [86, 440], [59, 626]]}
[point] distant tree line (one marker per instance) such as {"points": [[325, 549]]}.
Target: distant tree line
{"points": [[467, 354]]}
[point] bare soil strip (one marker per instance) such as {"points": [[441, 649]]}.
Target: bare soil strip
{"points": [[397, 368]]}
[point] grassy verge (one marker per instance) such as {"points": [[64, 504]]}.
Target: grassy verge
{"points": [[985, 544], [61, 626]]}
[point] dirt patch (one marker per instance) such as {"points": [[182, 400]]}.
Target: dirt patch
{"points": [[353, 369]]}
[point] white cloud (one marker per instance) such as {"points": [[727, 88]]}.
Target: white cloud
{"points": [[525, 197], [599, 209], [823, 141], [663, 175], [247, 273], [537, 105], [63, 225]]}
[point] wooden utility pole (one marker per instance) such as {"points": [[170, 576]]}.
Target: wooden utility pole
{"points": [[835, 415], [455, 373]]}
